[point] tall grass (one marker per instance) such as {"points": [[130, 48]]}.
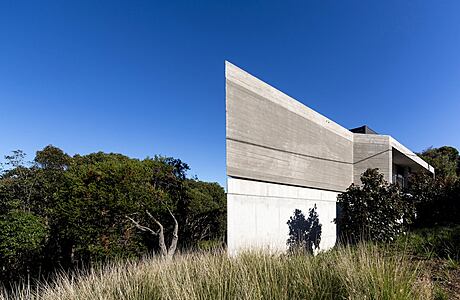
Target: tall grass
{"points": [[361, 272], [437, 242]]}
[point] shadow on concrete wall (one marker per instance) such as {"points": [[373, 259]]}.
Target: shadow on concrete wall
{"points": [[304, 234]]}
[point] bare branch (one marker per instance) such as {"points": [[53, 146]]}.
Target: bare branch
{"points": [[140, 227], [164, 251], [173, 246], [161, 235], [154, 219]]}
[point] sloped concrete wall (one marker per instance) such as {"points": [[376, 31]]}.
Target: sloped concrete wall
{"points": [[274, 138], [257, 214], [282, 156]]}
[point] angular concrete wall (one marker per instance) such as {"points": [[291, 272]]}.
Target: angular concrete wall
{"points": [[371, 151], [257, 214], [272, 137], [282, 156]]}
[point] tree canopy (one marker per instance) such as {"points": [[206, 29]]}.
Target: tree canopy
{"points": [[445, 160], [437, 199], [63, 211]]}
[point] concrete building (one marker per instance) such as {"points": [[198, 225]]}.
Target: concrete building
{"points": [[282, 156]]}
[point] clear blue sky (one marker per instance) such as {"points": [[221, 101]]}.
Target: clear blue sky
{"points": [[147, 77]]}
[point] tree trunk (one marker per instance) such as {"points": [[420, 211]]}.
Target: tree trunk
{"points": [[164, 251]]}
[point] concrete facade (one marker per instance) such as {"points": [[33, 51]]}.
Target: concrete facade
{"points": [[371, 151], [282, 156], [274, 138], [258, 214]]}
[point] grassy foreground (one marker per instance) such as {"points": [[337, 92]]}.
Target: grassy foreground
{"points": [[362, 272]]}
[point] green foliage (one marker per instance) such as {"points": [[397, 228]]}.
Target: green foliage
{"points": [[22, 238], [52, 158], [83, 201], [304, 234], [437, 242], [99, 191], [445, 160], [439, 294], [206, 212], [375, 210], [436, 200], [16, 159]]}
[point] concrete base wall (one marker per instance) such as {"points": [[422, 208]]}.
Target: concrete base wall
{"points": [[258, 213]]}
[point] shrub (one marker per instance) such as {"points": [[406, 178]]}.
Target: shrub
{"points": [[375, 210], [436, 200]]}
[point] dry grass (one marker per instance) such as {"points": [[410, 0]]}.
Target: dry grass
{"points": [[362, 272]]}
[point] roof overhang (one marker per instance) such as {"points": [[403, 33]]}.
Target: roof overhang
{"points": [[409, 157]]}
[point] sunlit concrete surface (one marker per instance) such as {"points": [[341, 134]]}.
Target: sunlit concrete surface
{"points": [[282, 156], [258, 213]]}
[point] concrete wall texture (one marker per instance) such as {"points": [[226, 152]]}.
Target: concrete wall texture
{"points": [[282, 142], [371, 151], [282, 156], [258, 213]]}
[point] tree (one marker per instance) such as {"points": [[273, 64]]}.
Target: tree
{"points": [[22, 238], [445, 160], [435, 199], [18, 184], [89, 217], [165, 252], [52, 158], [375, 210], [82, 201], [304, 234], [206, 213], [16, 159]]}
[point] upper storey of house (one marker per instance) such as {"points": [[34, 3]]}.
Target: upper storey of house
{"points": [[272, 137]]}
